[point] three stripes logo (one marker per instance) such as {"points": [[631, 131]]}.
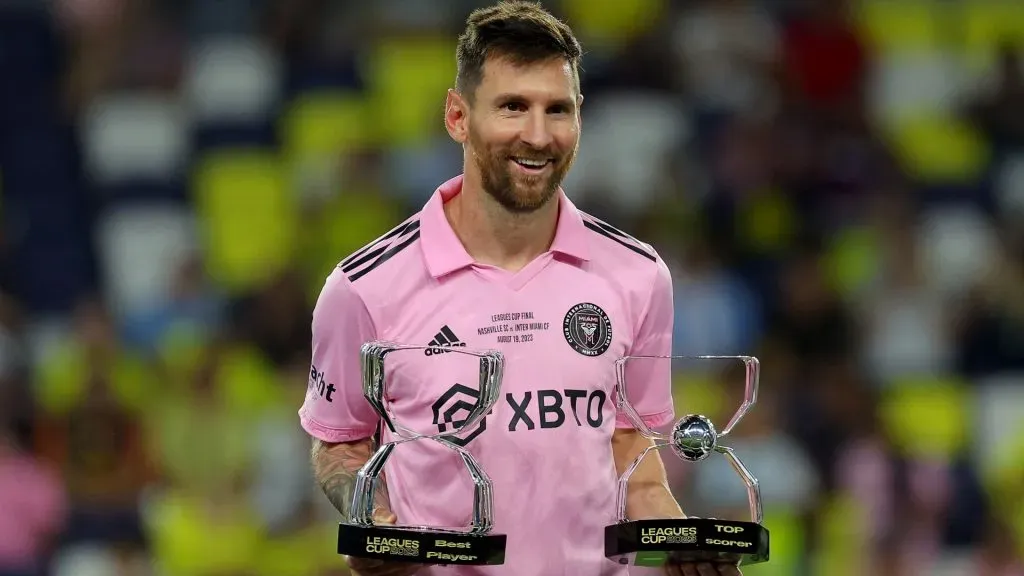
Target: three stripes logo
{"points": [[381, 250], [618, 236], [443, 339]]}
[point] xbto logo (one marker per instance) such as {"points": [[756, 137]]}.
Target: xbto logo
{"points": [[587, 408], [548, 409]]}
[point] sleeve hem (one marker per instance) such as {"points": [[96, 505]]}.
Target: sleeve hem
{"points": [[328, 434], [651, 420]]}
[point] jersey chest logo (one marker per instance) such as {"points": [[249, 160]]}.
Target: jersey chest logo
{"points": [[587, 329]]}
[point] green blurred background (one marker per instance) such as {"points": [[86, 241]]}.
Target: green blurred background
{"points": [[838, 188]]}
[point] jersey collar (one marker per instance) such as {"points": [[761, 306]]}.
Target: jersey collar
{"points": [[444, 251]]}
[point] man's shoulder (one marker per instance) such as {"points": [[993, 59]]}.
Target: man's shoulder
{"points": [[376, 255], [382, 261], [617, 251]]}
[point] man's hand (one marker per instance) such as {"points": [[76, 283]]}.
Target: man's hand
{"points": [[374, 567], [648, 496], [335, 467]]}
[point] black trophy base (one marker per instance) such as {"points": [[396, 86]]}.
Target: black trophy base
{"points": [[421, 545], [669, 541]]}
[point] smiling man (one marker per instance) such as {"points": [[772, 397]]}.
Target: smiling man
{"points": [[500, 258]]}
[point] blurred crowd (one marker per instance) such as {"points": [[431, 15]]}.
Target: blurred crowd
{"points": [[837, 186]]}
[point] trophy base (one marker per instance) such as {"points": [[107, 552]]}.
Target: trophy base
{"points": [[658, 542], [421, 545]]}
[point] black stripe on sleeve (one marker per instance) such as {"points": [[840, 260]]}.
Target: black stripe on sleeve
{"points": [[364, 259], [611, 236], [350, 263], [384, 257], [612, 229]]}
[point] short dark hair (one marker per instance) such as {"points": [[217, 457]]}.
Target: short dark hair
{"points": [[521, 31]]}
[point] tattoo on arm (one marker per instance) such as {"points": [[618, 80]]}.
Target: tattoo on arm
{"points": [[335, 467]]}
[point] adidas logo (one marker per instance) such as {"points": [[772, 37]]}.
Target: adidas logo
{"points": [[443, 339]]}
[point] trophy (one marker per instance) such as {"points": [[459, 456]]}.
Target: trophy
{"points": [[655, 542], [359, 536]]}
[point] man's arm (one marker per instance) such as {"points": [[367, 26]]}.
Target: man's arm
{"points": [[335, 412], [335, 466], [650, 394], [648, 494]]}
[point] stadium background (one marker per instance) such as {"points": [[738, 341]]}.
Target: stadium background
{"points": [[839, 189]]}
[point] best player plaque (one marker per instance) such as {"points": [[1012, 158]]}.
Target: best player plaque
{"points": [[655, 542], [359, 536]]}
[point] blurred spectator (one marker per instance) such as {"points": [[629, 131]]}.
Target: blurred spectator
{"points": [[90, 431], [1000, 555], [200, 433], [990, 333], [283, 484], [716, 312], [999, 111], [809, 315], [276, 319], [194, 307], [728, 51], [32, 500], [825, 62], [907, 326]]}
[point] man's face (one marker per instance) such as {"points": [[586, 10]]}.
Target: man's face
{"points": [[524, 130]]}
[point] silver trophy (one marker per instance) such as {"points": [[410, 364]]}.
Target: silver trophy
{"points": [[655, 542], [359, 536]]}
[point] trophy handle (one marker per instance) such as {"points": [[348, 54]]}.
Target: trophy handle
{"points": [[752, 380], [622, 402], [753, 486], [372, 356], [752, 367]]}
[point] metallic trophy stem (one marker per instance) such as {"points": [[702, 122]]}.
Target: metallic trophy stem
{"points": [[364, 495], [483, 493]]}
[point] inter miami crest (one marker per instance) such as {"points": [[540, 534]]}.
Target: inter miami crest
{"points": [[587, 329]]}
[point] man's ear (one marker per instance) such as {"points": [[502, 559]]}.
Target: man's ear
{"points": [[456, 116]]}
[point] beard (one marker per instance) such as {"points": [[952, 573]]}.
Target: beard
{"points": [[516, 192]]}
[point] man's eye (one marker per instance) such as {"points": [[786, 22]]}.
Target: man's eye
{"points": [[514, 107]]}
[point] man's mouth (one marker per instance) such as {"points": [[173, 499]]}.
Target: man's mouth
{"points": [[531, 165]]}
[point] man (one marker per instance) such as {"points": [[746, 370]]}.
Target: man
{"points": [[501, 242]]}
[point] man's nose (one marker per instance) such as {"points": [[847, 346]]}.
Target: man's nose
{"points": [[536, 133]]}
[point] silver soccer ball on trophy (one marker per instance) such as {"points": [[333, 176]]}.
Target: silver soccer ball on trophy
{"points": [[694, 438]]}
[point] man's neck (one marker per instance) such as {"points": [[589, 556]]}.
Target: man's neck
{"points": [[494, 236]]}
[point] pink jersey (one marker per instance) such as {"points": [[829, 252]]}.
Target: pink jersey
{"points": [[561, 322]]}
